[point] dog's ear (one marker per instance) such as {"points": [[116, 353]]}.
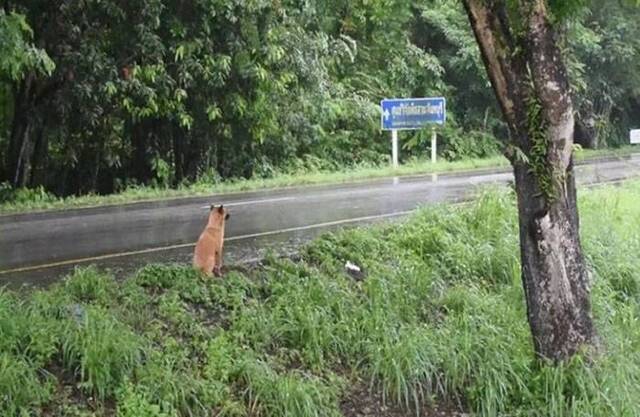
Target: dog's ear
{"points": [[221, 209], [227, 217], [213, 206]]}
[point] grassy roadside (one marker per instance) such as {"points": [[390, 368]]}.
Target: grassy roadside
{"points": [[437, 322], [35, 200]]}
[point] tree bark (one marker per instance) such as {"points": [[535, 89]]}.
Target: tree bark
{"points": [[178, 154], [523, 70], [21, 146], [40, 155], [140, 163], [554, 275], [31, 98]]}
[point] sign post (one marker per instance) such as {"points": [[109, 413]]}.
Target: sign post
{"points": [[394, 148], [412, 114], [434, 145], [634, 136]]}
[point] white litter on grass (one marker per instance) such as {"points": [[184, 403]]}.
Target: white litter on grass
{"points": [[354, 271], [352, 267]]}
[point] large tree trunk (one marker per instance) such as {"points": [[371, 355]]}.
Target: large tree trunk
{"points": [[554, 276], [529, 79]]}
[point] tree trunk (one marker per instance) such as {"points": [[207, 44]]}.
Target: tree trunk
{"points": [[26, 137], [21, 146], [141, 164], [40, 155], [554, 275], [527, 72], [178, 154]]}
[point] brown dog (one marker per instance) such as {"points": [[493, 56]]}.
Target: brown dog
{"points": [[208, 253]]}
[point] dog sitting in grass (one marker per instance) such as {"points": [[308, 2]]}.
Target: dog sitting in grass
{"points": [[208, 253]]}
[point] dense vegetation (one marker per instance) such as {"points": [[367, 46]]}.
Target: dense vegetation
{"points": [[437, 321], [100, 95]]}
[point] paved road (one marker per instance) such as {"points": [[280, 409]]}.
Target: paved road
{"points": [[40, 247]]}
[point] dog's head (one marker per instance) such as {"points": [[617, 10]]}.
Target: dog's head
{"points": [[218, 215]]}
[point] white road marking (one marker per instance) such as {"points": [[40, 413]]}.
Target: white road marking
{"points": [[186, 245], [247, 236], [246, 202]]}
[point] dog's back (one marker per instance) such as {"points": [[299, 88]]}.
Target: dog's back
{"points": [[207, 256]]}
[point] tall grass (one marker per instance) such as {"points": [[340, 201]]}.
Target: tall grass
{"points": [[21, 388], [100, 351], [438, 317]]}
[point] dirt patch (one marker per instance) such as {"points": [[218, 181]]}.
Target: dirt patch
{"points": [[69, 399], [363, 402]]}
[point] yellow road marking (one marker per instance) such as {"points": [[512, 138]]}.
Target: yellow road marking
{"points": [[248, 236], [186, 245]]}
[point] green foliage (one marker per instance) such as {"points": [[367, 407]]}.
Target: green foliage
{"points": [[162, 94], [170, 379], [18, 54], [132, 403], [25, 196], [485, 254], [537, 157], [26, 331], [88, 285], [163, 276], [289, 395], [563, 9], [165, 94], [21, 387], [101, 351], [618, 267], [602, 56], [457, 144]]}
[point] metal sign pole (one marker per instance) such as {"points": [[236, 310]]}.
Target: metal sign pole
{"points": [[394, 148], [434, 140]]}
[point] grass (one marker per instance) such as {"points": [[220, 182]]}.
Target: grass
{"points": [[439, 319], [38, 200]]}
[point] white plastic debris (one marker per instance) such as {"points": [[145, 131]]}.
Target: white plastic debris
{"points": [[352, 267], [354, 271]]}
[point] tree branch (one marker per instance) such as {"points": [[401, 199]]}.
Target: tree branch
{"points": [[500, 55]]}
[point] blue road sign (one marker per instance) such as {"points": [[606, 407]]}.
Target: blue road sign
{"points": [[412, 113]]}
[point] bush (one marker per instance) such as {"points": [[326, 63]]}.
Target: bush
{"points": [[25, 196]]}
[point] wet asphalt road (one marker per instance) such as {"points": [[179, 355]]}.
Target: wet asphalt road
{"points": [[40, 248]]}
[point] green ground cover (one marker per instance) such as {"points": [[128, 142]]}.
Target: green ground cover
{"points": [[437, 322]]}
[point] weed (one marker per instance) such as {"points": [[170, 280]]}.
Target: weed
{"points": [[134, 402], [100, 350], [88, 285], [26, 332], [292, 394], [21, 388]]}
